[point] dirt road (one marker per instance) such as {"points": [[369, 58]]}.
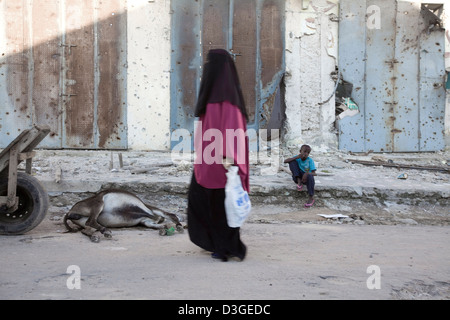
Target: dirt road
{"points": [[285, 261]]}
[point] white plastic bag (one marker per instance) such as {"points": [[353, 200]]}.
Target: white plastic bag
{"points": [[237, 201]]}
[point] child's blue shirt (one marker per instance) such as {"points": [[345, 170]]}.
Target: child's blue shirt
{"points": [[307, 165]]}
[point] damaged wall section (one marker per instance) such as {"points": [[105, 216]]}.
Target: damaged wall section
{"points": [[393, 54], [311, 55]]}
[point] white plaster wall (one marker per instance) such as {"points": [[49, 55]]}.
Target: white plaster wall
{"points": [[446, 20], [311, 57], [148, 92], [294, 120]]}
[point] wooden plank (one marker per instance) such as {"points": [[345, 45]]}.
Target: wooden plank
{"points": [[26, 155], [15, 109], [47, 68], [25, 142], [271, 40], [12, 208], [111, 59], [245, 43], [11, 201], [271, 69], [185, 63], [19, 142], [79, 76], [215, 25]]}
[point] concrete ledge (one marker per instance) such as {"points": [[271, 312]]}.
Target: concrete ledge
{"points": [[268, 193]]}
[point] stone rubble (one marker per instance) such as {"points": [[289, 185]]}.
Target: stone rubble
{"points": [[374, 194]]}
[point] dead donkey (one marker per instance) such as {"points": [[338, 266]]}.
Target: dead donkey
{"points": [[114, 209]]}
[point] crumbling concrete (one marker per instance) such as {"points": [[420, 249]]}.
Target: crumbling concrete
{"points": [[341, 185], [311, 59]]}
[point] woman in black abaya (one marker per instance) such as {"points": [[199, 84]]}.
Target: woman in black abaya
{"points": [[220, 106]]}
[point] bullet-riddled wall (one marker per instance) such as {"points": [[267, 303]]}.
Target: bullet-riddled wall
{"points": [[42, 73], [149, 74], [311, 55]]}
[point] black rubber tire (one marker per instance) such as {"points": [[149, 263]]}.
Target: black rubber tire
{"points": [[33, 205]]}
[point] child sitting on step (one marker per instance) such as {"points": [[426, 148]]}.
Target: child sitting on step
{"points": [[303, 171]]}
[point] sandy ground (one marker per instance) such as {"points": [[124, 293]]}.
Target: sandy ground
{"points": [[292, 252], [319, 259]]}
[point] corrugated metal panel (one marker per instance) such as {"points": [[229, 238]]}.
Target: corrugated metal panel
{"points": [[432, 90], [271, 41], [185, 62], [380, 82], [64, 65], [404, 129], [46, 68], [112, 75], [15, 109], [78, 81], [215, 25], [352, 54], [401, 97], [271, 46], [244, 42], [252, 29]]}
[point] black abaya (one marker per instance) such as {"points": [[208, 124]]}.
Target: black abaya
{"points": [[207, 222]]}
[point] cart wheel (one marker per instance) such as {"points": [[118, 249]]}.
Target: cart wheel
{"points": [[33, 205]]}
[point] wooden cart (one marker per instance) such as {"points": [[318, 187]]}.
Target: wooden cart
{"points": [[23, 200]]}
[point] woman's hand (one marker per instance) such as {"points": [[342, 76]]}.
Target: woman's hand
{"points": [[227, 163]]}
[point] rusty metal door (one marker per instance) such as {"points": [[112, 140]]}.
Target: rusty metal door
{"points": [[64, 65], [253, 30], [395, 62]]}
